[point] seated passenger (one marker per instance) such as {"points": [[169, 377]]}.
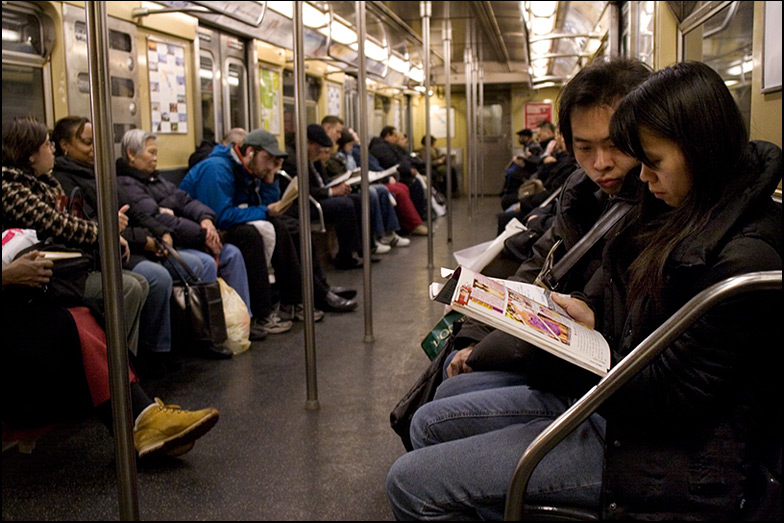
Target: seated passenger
{"points": [[336, 204], [238, 183], [61, 372], [383, 219], [438, 166], [74, 169], [389, 152], [410, 221], [552, 172], [33, 199], [708, 215], [192, 224]]}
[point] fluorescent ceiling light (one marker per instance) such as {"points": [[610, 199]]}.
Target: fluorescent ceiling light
{"points": [[373, 51], [543, 9], [342, 34], [542, 26], [281, 7], [417, 74], [541, 47], [312, 17], [398, 64]]}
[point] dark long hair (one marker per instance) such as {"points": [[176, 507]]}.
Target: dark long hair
{"points": [[689, 104], [22, 137], [66, 129]]}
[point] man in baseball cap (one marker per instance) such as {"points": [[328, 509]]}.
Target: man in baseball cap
{"points": [[237, 181], [263, 140]]}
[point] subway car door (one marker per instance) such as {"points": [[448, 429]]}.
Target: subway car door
{"points": [[122, 66], [496, 143], [223, 76]]}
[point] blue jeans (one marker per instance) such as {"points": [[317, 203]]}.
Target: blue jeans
{"points": [[231, 269], [155, 325], [467, 447], [389, 219]]}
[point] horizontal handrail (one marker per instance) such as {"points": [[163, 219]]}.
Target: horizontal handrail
{"points": [[626, 369]]}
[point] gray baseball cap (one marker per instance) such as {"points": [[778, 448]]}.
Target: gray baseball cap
{"points": [[261, 139]]}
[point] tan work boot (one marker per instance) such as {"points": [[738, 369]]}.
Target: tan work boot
{"points": [[169, 430]]}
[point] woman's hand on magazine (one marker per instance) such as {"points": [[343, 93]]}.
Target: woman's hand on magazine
{"points": [[577, 309]]}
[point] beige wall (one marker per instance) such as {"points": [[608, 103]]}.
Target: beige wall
{"points": [[665, 43]]}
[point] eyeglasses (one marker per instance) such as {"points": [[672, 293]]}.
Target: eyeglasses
{"points": [[325, 149]]}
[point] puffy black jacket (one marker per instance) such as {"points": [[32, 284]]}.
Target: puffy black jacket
{"points": [[147, 193], [682, 435]]}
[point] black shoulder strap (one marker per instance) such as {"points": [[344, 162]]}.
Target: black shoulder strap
{"points": [[550, 275]]}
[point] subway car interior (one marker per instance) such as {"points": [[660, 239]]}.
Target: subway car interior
{"points": [[304, 430]]}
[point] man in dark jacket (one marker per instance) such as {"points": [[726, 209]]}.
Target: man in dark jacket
{"points": [[586, 107]]}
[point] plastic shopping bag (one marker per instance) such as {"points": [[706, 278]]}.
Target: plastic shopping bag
{"points": [[237, 319]]}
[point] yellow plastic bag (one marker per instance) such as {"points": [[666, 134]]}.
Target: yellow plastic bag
{"points": [[237, 319]]}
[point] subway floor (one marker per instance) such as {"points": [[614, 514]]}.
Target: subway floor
{"points": [[270, 458]]}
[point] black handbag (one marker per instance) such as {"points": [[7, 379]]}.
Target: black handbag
{"points": [[422, 392], [69, 274], [197, 306]]}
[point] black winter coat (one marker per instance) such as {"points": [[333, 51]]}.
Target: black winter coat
{"points": [[682, 435], [78, 182], [147, 193]]}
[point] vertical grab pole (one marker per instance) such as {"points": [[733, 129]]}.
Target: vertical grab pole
{"points": [[467, 59], [111, 272], [365, 183], [481, 126], [303, 168], [447, 28], [476, 108], [425, 8]]}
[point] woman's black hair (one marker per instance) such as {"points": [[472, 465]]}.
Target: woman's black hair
{"points": [[66, 129], [22, 137], [688, 104]]}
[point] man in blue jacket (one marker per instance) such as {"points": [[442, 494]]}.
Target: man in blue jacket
{"points": [[237, 181]]}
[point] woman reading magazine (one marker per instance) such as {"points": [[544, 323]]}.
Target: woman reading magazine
{"points": [[682, 435]]}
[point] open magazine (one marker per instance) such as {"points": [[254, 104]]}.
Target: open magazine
{"points": [[525, 311], [373, 176], [289, 195]]}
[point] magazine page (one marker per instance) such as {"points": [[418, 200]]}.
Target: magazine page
{"points": [[522, 310], [373, 176], [289, 195], [339, 179]]}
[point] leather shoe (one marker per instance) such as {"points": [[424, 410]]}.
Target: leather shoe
{"points": [[218, 352], [343, 292], [348, 263], [335, 303]]}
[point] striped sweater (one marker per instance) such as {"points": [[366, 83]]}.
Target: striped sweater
{"points": [[29, 202]]}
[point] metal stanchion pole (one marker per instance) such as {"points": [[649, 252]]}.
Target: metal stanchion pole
{"points": [[111, 272], [311, 381]]}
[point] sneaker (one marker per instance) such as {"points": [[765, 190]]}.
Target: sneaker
{"points": [[272, 324], [169, 430], [393, 240], [420, 230], [297, 312], [380, 248]]}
